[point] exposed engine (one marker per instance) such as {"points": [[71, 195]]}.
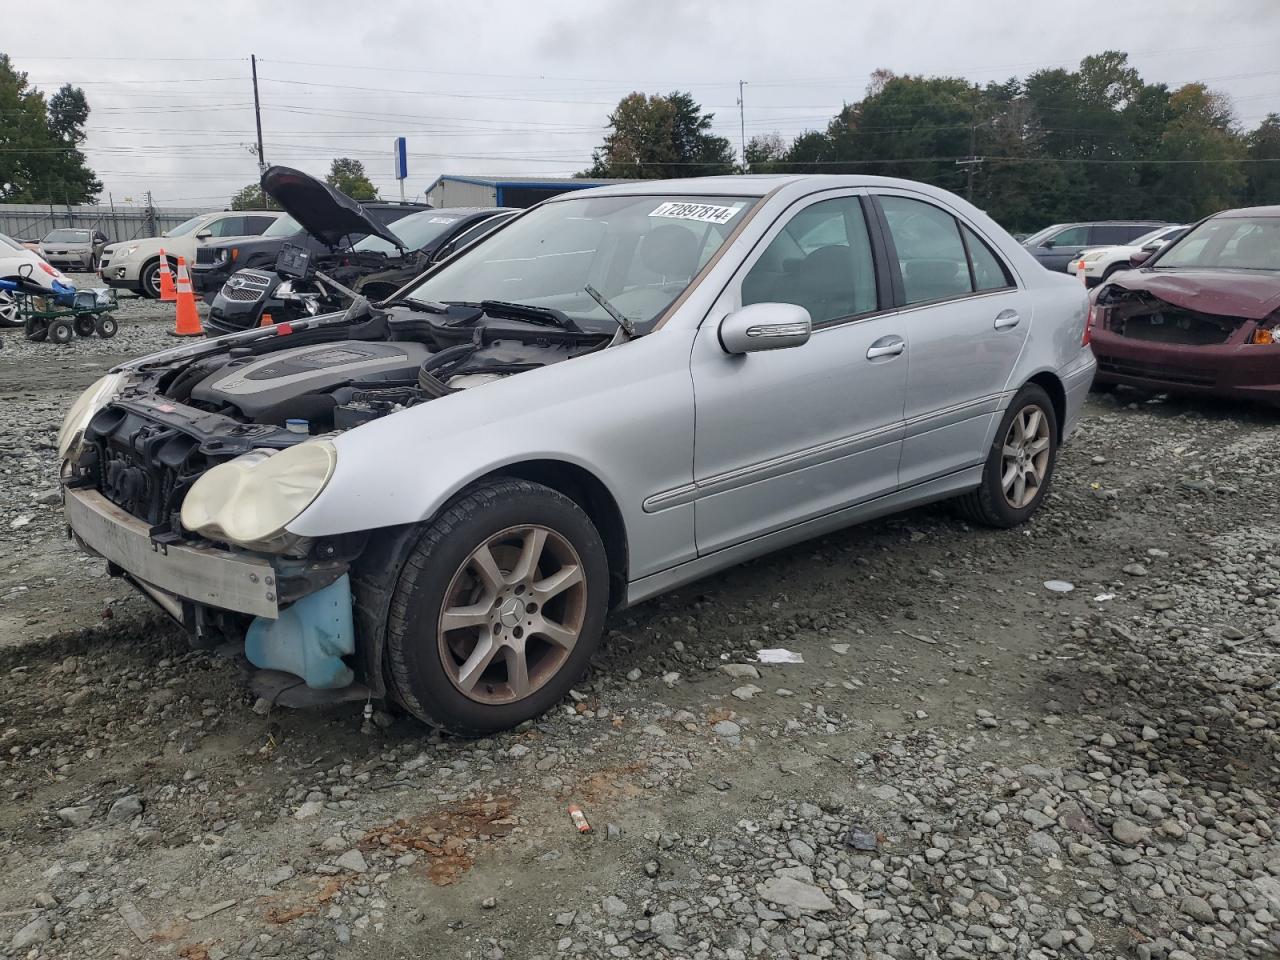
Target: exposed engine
{"points": [[275, 386], [1141, 316]]}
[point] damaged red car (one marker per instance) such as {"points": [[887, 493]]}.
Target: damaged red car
{"points": [[1200, 316]]}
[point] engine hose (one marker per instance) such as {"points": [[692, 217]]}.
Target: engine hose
{"points": [[429, 383]]}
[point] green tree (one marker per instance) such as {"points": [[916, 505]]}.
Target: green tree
{"points": [[661, 137], [69, 176], [250, 197], [1202, 149], [25, 145], [348, 176], [765, 153], [1262, 185]]}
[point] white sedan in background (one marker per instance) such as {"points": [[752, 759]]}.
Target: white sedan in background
{"points": [[1099, 263]]}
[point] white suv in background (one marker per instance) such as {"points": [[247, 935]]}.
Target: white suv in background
{"points": [[135, 264], [1099, 263]]}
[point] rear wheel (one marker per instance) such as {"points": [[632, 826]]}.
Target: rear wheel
{"points": [[1020, 463], [84, 325], [37, 330], [498, 608]]}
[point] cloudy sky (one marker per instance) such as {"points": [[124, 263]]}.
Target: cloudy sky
{"points": [[526, 88]]}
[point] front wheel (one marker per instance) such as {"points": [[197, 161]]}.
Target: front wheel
{"points": [[149, 279], [1020, 463], [497, 609], [9, 310]]}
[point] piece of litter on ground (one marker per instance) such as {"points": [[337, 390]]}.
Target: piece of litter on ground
{"points": [[779, 655], [1103, 597], [19, 522], [136, 921], [1059, 586], [860, 838], [203, 912]]}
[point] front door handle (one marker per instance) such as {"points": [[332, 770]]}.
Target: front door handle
{"points": [[886, 347], [1007, 319]]}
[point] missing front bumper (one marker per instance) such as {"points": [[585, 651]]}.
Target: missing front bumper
{"points": [[203, 575]]}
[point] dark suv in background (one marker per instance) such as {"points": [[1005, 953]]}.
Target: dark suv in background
{"points": [[1058, 246], [215, 262]]}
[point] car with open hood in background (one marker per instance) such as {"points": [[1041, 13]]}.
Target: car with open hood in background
{"points": [[217, 260], [303, 282], [31, 272], [1200, 315], [1099, 263], [135, 264], [436, 499]]}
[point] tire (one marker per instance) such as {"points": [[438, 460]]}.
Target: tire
{"points": [[9, 310], [37, 330], [84, 325], [1113, 268], [106, 326], [435, 671], [990, 504], [149, 279], [61, 331]]}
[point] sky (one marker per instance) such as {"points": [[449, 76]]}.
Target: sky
{"points": [[486, 87]]}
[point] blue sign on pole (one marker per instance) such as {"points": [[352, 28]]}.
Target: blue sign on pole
{"points": [[402, 159]]}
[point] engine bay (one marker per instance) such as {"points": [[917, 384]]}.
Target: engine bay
{"points": [[346, 376]]}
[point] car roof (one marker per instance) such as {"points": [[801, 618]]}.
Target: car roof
{"points": [[1268, 211]]}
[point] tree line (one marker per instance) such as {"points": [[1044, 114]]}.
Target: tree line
{"points": [[1097, 142]]}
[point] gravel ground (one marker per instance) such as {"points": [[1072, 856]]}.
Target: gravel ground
{"points": [[966, 764]]}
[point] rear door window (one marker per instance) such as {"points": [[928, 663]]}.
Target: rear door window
{"points": [[253, 226], [931, 255], [989, 271], [1071, 237]]}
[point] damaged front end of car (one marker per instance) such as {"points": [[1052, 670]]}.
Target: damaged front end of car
{"points": [[1183, 340], [184, 470]]}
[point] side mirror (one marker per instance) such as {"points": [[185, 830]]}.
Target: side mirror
{"points": [[1141, 257], [765, 326], [204, 234]]}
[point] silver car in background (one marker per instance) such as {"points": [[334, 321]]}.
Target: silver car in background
{"points": [[74, 248], [436, 500]]}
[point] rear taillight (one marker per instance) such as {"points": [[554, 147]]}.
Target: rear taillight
{"points": [[49, 270]]}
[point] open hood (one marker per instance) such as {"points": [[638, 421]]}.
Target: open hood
{"points": [[325, 213], [1227, 293]]}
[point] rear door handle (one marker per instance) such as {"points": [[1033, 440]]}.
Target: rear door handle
{"points": [[1007, 319], [886, 347]]}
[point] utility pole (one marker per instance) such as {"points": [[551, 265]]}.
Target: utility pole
{"points": [[971, 161], [151, 216], [257, 112], [742, 123]]}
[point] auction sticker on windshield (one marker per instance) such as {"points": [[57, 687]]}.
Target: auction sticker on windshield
{"points": [[703, 212]]}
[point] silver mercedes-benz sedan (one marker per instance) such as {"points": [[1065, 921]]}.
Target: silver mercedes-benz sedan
{"points": [[435, 500]]}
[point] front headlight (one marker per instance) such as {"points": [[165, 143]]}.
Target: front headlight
{"points": [[250, 500], [1091, 257], [82, 411]]}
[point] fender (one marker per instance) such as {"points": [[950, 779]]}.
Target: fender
{"points": [[624, 414]]}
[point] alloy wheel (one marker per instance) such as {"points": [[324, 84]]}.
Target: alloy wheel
{"points": [[512, 614], [1025, 457], [8, 309]]}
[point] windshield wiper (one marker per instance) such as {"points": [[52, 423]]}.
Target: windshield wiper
{"points": [[622, 319], [431, 306], [525, 311]]}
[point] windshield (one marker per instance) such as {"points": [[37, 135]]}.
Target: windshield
{"points": [[1035, 238], [187, 226], [1153, 236], [639, 252], [67, 236], [1238, 243], [286, 226], [417, 230]]}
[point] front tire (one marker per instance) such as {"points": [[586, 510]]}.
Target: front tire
{"points": [[149, 279], [1020, 463], [498, 608], [9, 310]]}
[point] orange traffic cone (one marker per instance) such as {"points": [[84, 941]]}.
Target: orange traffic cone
{"points": [[188, 321], [167, 293]]}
